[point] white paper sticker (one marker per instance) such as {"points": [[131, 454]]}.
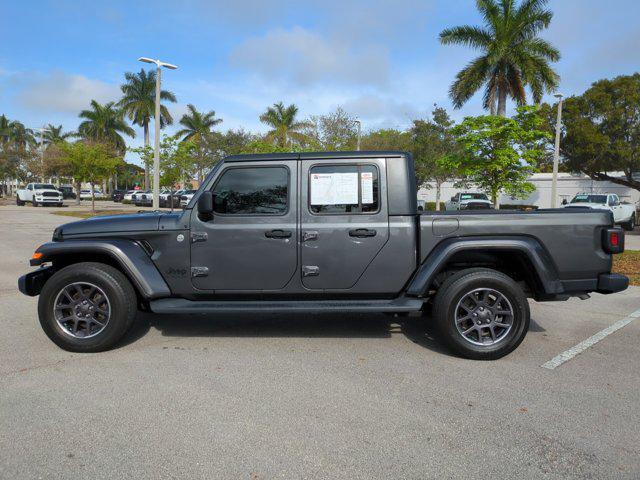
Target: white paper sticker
{"points": [[366, 184], [334, 188]]}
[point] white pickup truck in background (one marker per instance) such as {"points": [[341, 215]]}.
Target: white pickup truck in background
{"points": [[624, 214], [39, 194], [468, 201]]}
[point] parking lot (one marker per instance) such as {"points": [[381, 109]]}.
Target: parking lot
{"points": [[271, 396]]}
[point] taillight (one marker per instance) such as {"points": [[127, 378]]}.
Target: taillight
{"points": [[613, 241]]}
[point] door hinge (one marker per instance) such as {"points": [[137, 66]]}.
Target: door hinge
{"points": [[199, 237], [310, 271], [199, 271]]}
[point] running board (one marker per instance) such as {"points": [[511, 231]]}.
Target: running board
{"points": [[181, 305]]}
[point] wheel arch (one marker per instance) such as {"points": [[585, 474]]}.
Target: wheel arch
{"points": [[522, 258], [127, 256]]}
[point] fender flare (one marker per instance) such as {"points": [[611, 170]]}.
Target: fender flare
{"points": [[128, 254], [530, 247]]}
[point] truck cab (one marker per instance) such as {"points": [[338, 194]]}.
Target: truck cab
{"points": [[320, 232]]}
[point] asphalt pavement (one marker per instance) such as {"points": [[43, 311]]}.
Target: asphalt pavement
{"points": [[322, 396]]}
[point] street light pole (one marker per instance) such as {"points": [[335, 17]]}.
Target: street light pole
{"points": [[359, 133], [556, 155], [156, 143]]}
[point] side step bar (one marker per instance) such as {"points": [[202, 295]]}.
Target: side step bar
{"points": [[181, 305]]}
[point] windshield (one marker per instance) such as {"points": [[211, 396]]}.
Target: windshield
{"points": [[43, 186], [589, 199], [473, 196]]}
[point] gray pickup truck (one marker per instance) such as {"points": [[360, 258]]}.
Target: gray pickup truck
{"points": [[321, 232]]}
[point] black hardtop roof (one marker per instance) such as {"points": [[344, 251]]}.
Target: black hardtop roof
{"points": [[257, 157]]}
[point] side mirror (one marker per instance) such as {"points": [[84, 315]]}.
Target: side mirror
{"points": [[453, 199], [205, 203]]}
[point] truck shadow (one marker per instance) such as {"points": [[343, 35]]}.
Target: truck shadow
{"points": [[420, 330]]}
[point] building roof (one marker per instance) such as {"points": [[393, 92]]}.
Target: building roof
{"points": [[257, 157]]}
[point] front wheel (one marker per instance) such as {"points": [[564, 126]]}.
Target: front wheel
{"points": [[87, 307], [481, 314], [631, 224], [19, 202]]}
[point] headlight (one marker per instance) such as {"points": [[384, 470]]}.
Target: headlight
{"points": [[463, 206]]}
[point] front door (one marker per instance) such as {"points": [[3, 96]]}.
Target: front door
{"points": [[250, 243], [344, 220]]}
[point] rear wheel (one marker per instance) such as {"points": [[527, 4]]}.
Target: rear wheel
{"points": [[631, 224], [481, 313], [87, 307]]}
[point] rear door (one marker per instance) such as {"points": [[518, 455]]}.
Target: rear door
{"points": [[344, 220], [249, 243]]}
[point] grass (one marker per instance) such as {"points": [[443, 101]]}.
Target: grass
{"points": [[89, 214], [628, 263]]}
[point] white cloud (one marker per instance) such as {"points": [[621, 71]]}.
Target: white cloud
{"points": [[303, 57], [61, 92]]}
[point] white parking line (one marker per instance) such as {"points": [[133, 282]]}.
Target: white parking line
{"points": [[589, 342]]}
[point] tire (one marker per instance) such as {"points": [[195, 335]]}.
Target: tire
{"points": [[59, 205], [631, 224], [112, 292], [462, 295], [19, 202], [34, 203]]}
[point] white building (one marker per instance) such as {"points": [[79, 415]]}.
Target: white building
{"points": [[569, 184]]}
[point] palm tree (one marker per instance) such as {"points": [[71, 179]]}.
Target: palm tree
{"points": [[105, 123], [197, 125], [54, 134], [285, 128], [138, 103], [197, 128], [513, 56], [15, 133]]}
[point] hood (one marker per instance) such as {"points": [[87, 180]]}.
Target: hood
{"points": [[585, 205], [110, 224], [480, 200], [41, 190]]}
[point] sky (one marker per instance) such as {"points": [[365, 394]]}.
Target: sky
{"points": [[379, 60]]}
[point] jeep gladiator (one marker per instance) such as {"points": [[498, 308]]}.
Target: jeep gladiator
{"points": [[321, 232]]}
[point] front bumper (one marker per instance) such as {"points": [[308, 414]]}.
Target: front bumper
{"points": [[31, 284], [612, 283], [48, 199]]}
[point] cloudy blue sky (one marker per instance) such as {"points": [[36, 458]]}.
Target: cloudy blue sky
{"points": [[380, 60]]}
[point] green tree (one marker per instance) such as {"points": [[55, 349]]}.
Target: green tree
{"points": [[18, 152], [387, 139], [89, 162], [176, 160], [105, 124], [433, 141], [334, 131], [286, 130], [601, 132], [53, 134], [139, 104], [197, 130], [499, 154], [513, 55]]}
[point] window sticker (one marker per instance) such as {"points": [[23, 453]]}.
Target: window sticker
{"points": [[334, 188], [366, 185]]}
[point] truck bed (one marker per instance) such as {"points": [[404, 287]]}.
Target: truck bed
{"points": [[571, 238]]}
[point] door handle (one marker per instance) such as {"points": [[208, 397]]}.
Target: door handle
{"points": [[278, 234], [362, 233]]}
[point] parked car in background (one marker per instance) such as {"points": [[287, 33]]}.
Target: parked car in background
{"points": [[137, 196], [624, 214], [186, 197], [85, 194], [39, 194], [468, 201], [143, 199], [128, 196], [118, 195], [67, 191], [168, 197]]}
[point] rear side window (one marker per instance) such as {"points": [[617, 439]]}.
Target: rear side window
{"points": [[344, 189], [252, 191]]}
